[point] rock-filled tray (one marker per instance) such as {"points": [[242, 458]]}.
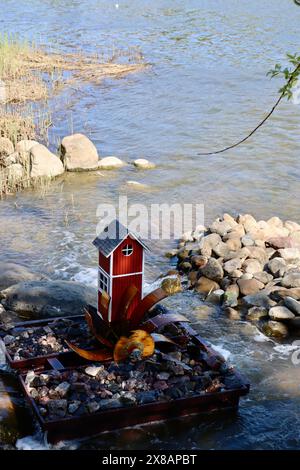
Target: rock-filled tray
{"points": [[78, 400], [30, 344]]}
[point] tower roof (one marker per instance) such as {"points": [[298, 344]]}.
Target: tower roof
{"points": [[112, 236]]}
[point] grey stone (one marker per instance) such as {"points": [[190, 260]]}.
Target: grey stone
{"points": [[62, 389], [147, 397], [215, 297], [292, 305], [42, 299], [257, 313], [249, 286], [57, 407], [78, 153], [232, 265], [93, 406], [280, 313], [213, 270], [263, 277], [44, 163], [277, 266], [220, 227], [12, 273], [110, 403], [291, 280], [261, 299], [93, 371]]}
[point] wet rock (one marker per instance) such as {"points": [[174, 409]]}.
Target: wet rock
{"points": [[291, 280], [44, 163], [144, 164], [257, 313], [43, 299], [110, 163], [199, 261], [261, 299], [213, 270], [171, 285], [110, 403], [192, 277], [171, 253], [231, 295], [205, 285], [202, 312], [275, 329], [232, 313], [57, 407], [12, 273], [249, 286], [215, 297], [280, 313], [185, 266], [78, 153], [292, 305]]}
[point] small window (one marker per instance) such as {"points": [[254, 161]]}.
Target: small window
{"points": [[103, 282], [127, 250]]}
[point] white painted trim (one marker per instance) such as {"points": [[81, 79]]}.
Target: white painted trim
{"points": [[143, 271], [110, 285], [132, 236], [125, 275]]}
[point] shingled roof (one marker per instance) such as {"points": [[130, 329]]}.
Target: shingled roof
{"points": [[112, 236]]}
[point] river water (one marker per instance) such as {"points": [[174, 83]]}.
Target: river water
{"points": [[205, 88]]}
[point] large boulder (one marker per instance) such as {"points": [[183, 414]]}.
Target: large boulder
{"points": [[78, 153], [42, 299], [280, 313], [212, 270], [44, 163], [12, 273], [23, 148]]}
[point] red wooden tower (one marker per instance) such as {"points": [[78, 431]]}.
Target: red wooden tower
{"points": [[121, 264]]}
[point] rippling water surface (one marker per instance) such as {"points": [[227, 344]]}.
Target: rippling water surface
{"points": [[206, 88]]}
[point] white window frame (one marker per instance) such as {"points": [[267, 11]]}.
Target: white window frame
{"points": [[127, 250], [103, 282]]}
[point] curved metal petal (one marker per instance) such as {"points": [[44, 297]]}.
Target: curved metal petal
{"points": [[91, 355]]}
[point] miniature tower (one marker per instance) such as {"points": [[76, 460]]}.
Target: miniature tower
{"points": [[121, 264]]}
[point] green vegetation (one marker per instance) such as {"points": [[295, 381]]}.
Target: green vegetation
{"points": [[290, 74]]}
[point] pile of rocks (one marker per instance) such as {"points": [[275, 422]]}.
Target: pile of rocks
{"points": [[249, 267], [25, 343], [102, 387]]}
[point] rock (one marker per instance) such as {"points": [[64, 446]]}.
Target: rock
{"points": [[11, 159], [205, 285], [135, 184], [280, 313], [199, 261], [6, 148], [252, 266], [292, 305], [42, 299], [263, 277], [234, 243], [185, 266], [57, 407], [110, 403], [295, 236], [237, 273], [275, 329], [261, 299], [12, 273], [249, 286], [291, 280], [294, 324], [282, 293], [277, 266], [144, 164], [221, 249], [171, 285], [232, 265], [8, 339], [192, 277], [171, 253], [247, 276], [93, 406], [62, 389], [280, 242], [78, 153], [232, 314], [231, 295], [257, 313], [73, 406], [23, 148], [220, 227], [243, 253], [183, 254], [259, 253], [147, 397], [44, 163], [110, 163], [163, 376], [237, 232], [16, 171], [230, 220], [247, 240], [290, 254], [215, 297], [248, 222], [203, 312], [292, 226], [212, 270]]}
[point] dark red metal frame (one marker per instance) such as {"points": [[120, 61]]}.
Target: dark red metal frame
{"points": [[108, 420]]}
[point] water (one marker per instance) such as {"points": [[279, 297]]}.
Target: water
{"points": [[205, 89]]}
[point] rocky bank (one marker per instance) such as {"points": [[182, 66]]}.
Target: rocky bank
{"points": [[250, 268]]}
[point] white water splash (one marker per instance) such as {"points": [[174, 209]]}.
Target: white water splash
{"points": [[87, 276], [220, 349], [30, 443]]}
